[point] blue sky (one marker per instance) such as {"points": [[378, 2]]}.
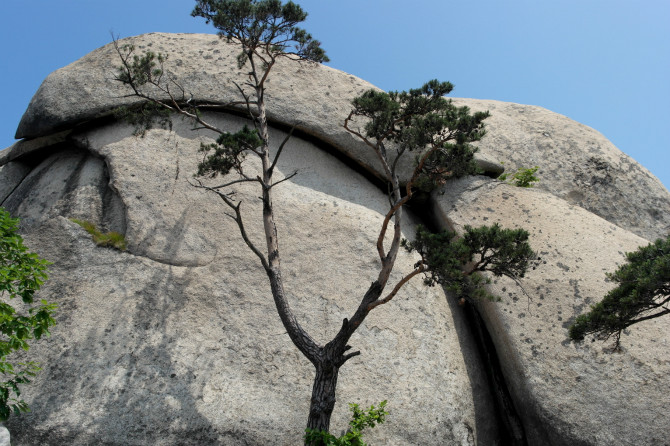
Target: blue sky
{"points": [[604, 63]]}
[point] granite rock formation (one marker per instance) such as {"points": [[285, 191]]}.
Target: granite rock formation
{"points": [[176, 340]]}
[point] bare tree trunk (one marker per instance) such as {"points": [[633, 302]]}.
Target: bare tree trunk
{"points": [[323, 396], [329, 360]]}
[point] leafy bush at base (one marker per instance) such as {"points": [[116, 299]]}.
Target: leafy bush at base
{"points": [[360, 419]]}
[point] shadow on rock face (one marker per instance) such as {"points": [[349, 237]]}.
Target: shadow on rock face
{"points": [[120, 364]]}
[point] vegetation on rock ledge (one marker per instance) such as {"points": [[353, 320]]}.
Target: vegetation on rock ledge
{"points": [[522, 177], [104, 239]]}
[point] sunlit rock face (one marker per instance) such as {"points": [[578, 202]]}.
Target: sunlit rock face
{"points": [[566, 393], [177, 341], [577, 164]]}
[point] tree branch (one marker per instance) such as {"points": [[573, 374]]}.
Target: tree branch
{"points": [[284, 179], [651, 316], [238, 219], [241, 180], [281, 148], [397, 288]]}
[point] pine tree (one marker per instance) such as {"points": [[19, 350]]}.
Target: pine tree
{"points": [[642, 293], [420, 123]]}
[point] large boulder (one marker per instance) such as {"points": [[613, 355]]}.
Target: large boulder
{"points": [[577, 164], [177, 340]]}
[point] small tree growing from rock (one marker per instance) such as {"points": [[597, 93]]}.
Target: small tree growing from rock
{"points": [[394, 125], [642, 293], [523, 177]]}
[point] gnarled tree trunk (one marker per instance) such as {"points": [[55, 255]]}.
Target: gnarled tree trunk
{"points": [[323, 396]]}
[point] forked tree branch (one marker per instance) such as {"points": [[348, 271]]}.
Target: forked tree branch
{"points": [[238, 219], [397, 288], [283, 179], [281, 148]]}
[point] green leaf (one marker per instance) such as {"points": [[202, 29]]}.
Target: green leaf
{"points": [[360, 419], [22, 273]]}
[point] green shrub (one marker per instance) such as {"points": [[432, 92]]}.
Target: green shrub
{"points": [[522, 177], [22, 273], [360, 419]]}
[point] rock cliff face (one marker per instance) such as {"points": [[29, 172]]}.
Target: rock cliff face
{"points": [[177, 341]]}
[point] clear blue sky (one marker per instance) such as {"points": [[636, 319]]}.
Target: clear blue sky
{"points": [[604, 63]]}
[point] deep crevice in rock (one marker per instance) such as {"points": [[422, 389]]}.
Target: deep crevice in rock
{"points": [[305, 135], [113, 213], [507, 419], [80, 188], [512, 429], [7, 191]]}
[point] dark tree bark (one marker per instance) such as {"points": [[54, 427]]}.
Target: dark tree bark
{"points": [[322, 402], [330, 358]]}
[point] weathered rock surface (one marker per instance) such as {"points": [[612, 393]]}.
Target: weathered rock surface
{"points": [[4, 436], [12, 174], [176, 341], [577, 163], [566, 394]]}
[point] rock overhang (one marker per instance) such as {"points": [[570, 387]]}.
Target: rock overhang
{"points": [[576, 163]]}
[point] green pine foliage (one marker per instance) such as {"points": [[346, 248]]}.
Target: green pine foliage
{"points": [[266, 30], [139, 71], [104, 239], [228, 152], [267, 25], [143, 117], [144, 69], [22, 273], [422, 121], [456, 262], [420, 118], [642, 293], [360, 420]]}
